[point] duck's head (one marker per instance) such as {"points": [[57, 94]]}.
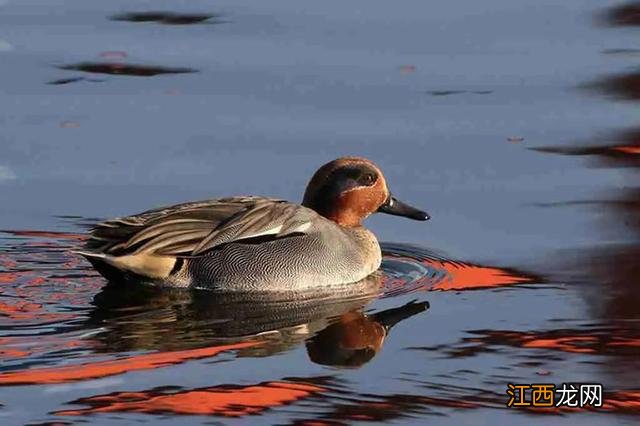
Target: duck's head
{"points": [[349, 189]]}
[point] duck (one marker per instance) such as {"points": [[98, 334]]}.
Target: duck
{"points": [[254, 243]]}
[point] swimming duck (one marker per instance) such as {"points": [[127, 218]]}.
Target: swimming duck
{"points": [[255, 243]]}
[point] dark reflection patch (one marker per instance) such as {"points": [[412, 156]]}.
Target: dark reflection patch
{"points": [[621, 340], [125, 69], [623, 16], [168, 18], [621, 51], [622, 149], [63, 81], [623, 86], [458, 92]]}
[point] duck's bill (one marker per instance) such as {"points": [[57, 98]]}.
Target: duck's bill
{"points": [[398, 208], [390, 317]]}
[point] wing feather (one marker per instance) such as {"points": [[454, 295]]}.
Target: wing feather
{"points": [[192, 229], [158, 244], [164, 227]]}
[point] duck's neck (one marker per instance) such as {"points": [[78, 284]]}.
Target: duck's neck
{"points": [[346, 220], [345, 217]]}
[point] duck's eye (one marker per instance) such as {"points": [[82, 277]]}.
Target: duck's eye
{"points": [[369, 179]]}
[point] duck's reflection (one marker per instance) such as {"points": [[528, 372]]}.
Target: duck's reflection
{"points": [[355, 338], [332, 322]]}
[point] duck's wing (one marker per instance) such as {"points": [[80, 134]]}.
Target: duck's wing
{"points": [[192, 229]]}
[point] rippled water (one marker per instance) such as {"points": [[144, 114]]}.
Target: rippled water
{"points": [[514, 124], [62, 325], [93, 348], [51, 298]]}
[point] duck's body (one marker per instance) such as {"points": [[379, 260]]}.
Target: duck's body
{"points": [[241, 243], [253, 243]]}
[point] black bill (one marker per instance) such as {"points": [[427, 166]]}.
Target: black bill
{"points": [[398, 208]]}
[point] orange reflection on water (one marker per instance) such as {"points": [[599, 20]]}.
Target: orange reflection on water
{"points": [[625, 401], [226, 400], [100, 369], [19, 309], [455, 275], [464, 276], [8, 277], [23, 310], [7, 351], [627, 149], [565, 344]]}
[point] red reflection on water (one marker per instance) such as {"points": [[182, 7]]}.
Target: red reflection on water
{"points": [[16, 347], [41, 275], [7, 350], [237, 401], [23, 310], [8, 277], [224, 400], [623, 401], [566, 344], [458, 275], [627, 149], [100, 369], [464, 276]]}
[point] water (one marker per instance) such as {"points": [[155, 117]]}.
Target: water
{"points": [[513, 124]]}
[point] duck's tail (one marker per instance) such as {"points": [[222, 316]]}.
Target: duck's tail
{"points": [[100, 263], [144, 265]]}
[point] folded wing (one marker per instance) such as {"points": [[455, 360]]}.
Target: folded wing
{"points": [[192, 229]]}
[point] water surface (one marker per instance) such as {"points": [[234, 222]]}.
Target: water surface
{"points": [[514, 124]]}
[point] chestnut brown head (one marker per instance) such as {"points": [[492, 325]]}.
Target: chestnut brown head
{"points": [[349, 189]]}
